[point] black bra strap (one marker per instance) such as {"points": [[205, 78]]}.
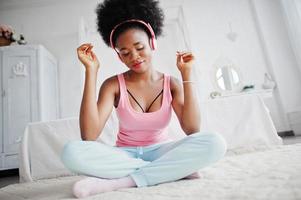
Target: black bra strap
{"points": [[135, 99], [150, 104], [154, 100]]}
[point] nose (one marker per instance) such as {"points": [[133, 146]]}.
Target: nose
{"points": [[134, 55]]}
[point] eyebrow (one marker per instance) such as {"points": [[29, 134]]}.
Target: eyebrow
{"points": [[136, 43]]}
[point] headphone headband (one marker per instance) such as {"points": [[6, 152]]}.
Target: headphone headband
{"points": [[148, 26]]}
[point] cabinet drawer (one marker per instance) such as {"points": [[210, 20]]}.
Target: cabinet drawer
{"points": [[11, 161]]}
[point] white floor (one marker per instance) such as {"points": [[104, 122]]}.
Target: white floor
{"points": [[4, 181], [292, 139]]}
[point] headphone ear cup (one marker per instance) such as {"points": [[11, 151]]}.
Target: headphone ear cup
{"points": [[153, 43]]}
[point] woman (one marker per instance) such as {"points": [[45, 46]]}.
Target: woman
{"points": [[144, 98]]}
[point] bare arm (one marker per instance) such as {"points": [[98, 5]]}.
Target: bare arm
{"points": [[185, 103], [93, 114]]}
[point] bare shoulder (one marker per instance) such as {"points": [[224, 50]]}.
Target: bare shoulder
{"points": [[175, 84], [110, 84]]}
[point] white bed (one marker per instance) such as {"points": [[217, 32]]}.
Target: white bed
{"points": [[256, 166]]}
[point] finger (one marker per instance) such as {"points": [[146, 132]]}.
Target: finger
{"points": [[179, 53], [89, 49], [186, 53], [86, 44], [93, 55], [82, 50], [188, 56], [179, 58], [183, 52], [83, 46], [89, 52]]}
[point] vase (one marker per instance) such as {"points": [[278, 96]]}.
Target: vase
{"points": [[4, 41], [268, 82]]}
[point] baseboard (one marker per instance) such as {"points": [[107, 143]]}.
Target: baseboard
{"points": [[286, 133], [9, 172], [294, 118]]}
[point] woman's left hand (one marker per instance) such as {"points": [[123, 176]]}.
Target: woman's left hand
{"points": [[184, 61]]}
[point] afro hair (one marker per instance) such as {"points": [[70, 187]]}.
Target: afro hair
{"points": [[112, 12]]}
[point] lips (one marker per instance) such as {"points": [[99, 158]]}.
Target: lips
{"points": [[137, 64]]}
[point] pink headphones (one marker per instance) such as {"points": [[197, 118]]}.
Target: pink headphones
{"points": [[153, 41]]}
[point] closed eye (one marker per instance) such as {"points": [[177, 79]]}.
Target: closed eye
{"points": [[124, 53], [139, 46]]}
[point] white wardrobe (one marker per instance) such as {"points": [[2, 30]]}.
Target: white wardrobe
{"points": [[29, 93]]}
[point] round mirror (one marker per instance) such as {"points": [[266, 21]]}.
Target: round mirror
{"points": [[227, 78]]}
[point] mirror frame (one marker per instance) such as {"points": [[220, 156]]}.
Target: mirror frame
{"points": [[237, 87]]}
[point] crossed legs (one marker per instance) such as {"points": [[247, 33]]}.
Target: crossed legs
{"points": [[113, 168]]}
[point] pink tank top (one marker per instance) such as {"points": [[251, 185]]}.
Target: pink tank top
{"points": [[142, 129]]}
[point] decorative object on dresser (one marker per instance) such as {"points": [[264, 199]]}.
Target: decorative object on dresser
{"points": [[29, 93], [268, 83], [8, 36]]}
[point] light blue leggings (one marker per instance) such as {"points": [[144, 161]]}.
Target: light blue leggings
{"points": [[149, 165]]}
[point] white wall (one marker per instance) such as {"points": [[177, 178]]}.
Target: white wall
{"points": [[54, 24], [292, 15], [261, 46], [208, 23], [280, 58]]}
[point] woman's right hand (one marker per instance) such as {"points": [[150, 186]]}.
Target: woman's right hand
{"points": [[87, 57]]}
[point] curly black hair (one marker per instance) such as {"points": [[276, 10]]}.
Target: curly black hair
{"points": [[112, 12]]}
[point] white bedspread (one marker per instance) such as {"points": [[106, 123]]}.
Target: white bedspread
{"points": [[267, 174], [243, 121]]}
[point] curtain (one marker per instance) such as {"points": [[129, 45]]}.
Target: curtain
{"points": [[292, 16]]}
